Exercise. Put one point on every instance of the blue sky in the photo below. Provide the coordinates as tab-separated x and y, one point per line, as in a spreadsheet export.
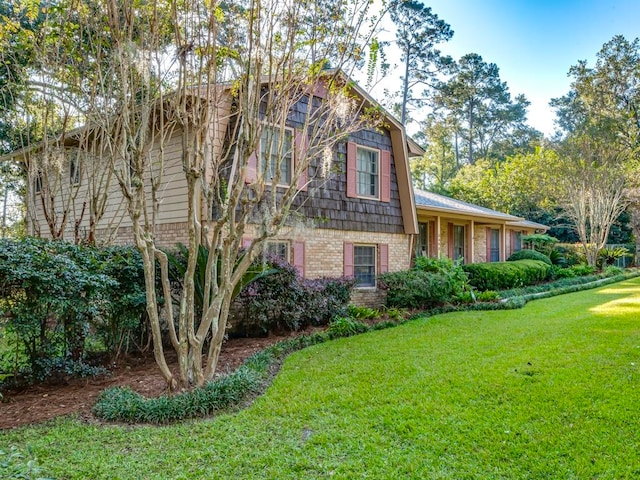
535	42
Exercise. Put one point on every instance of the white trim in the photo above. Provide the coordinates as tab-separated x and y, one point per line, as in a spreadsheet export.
379	188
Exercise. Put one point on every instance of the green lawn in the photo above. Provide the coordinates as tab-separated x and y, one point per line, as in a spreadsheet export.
548	391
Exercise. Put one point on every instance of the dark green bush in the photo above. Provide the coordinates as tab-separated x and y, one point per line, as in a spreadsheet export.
566	256
529	255
285	301
503	275
430	282
55	295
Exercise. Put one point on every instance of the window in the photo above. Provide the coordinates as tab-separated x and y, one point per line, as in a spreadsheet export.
277	249
422	249
459	242
277	153
364	265
74	168
493	247
517	241
368	170
37	183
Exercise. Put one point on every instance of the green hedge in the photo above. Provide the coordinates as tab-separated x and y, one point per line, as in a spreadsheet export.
504	275
529	255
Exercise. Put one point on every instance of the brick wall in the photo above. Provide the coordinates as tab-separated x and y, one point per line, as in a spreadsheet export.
324	255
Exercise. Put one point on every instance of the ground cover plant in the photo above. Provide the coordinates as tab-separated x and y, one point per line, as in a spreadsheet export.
547	391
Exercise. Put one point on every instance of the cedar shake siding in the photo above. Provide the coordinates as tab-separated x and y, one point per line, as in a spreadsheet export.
328	204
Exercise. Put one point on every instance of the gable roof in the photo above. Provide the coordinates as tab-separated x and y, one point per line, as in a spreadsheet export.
433	201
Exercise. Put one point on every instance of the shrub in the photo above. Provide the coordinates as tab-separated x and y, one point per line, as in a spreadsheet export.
488	296
346	327
609	256
55	294
566	256
529	255
419	289
612	271
503	275
582	270
283	300
540	242
362	313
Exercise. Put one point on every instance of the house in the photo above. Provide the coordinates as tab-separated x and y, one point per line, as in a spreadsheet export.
361	220
467	232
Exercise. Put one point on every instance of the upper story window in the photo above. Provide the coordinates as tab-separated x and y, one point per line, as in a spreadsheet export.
368	173
276	152
368	168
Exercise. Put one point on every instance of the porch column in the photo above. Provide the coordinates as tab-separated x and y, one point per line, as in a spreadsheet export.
472	242
438	233
503	243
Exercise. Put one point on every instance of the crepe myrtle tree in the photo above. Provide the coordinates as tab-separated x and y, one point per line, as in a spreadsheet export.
221	79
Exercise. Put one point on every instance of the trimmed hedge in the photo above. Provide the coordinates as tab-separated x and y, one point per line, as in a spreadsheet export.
504	275
529	255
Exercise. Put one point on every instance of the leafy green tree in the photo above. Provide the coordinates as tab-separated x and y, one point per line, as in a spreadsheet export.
480	103
599	125
137	74
418	31
438	166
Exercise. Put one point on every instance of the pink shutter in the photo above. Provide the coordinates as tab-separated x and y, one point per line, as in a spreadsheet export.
298	257
301	147
488	245
352	170
512	247
385	187
348	260
450	241
246	242
252	168
383	250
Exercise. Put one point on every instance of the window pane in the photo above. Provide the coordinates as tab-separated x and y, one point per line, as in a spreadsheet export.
277	249
458	241
422	240
495	245
517	241
364	265
276	148
367	168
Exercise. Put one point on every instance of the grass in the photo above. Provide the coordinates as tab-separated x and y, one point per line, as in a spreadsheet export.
548	391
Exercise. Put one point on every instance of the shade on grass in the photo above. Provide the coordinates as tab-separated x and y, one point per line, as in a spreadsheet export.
548	391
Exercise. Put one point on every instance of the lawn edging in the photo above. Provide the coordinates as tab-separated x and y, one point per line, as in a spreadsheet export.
121	404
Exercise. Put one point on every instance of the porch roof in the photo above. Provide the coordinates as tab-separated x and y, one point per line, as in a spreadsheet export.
429	201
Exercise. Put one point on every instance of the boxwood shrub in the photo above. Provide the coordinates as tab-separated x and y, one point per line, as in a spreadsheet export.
422	288
529	255
504	275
